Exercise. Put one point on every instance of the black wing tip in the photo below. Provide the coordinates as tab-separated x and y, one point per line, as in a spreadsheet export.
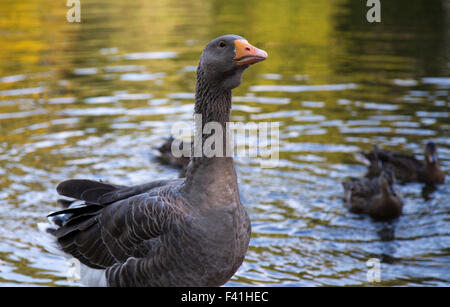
55	213
63	186
51	231
74	188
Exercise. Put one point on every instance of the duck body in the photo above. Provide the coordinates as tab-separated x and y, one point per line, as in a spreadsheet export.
407	168
166	156
183	232
376	197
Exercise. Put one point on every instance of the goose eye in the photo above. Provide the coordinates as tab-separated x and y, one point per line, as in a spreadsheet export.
222	44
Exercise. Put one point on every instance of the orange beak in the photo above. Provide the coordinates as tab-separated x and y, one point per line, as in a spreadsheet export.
247	54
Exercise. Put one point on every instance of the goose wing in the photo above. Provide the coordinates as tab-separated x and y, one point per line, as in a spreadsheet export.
115	222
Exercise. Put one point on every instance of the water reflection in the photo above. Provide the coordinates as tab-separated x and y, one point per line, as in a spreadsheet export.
93	99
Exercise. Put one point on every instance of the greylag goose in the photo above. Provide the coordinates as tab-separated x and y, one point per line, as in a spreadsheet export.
182	232
376	197
406	167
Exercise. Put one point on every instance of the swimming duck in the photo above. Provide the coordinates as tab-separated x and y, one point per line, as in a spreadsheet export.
182	232
166	157
376	197
406	167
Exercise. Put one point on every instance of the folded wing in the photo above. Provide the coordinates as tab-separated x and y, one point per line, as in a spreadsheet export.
115	222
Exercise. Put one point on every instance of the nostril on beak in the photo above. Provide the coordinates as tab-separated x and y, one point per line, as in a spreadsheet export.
247	54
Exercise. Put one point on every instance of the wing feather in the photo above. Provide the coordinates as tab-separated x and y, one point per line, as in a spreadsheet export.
114	224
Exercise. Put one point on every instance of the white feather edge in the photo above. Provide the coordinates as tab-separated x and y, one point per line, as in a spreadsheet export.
92	277
360	157
48	241
88	276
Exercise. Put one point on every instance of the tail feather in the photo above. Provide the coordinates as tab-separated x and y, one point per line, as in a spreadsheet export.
48	240
77	210
72	214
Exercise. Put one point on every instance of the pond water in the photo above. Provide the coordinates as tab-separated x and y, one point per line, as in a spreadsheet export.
92	100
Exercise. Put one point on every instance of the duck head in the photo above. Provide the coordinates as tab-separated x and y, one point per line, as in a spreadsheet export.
387	181
431	156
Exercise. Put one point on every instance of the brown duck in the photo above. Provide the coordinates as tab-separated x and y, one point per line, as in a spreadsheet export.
407	168
376	197
183	232
166	157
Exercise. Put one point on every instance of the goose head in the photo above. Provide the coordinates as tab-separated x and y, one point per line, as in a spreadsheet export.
225	58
